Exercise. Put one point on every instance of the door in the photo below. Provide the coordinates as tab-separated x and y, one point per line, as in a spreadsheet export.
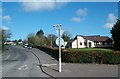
89	44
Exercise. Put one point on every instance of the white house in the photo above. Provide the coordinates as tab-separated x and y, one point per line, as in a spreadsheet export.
91	41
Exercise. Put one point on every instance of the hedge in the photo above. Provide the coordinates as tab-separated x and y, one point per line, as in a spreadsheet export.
95	56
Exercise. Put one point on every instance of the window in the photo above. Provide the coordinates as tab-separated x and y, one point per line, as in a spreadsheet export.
106	43
95	43
80	43
103	43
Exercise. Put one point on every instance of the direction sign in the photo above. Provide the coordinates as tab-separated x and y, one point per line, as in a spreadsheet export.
61	32
61	42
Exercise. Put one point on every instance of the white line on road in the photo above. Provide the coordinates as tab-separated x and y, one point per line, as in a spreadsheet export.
23	67
49	64
7	57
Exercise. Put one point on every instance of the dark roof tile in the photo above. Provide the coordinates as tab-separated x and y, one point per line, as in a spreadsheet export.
97	38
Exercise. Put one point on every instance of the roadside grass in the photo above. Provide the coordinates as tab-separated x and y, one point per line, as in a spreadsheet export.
89	49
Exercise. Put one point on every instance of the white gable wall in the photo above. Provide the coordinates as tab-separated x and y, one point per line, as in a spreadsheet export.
88	43
81	40
74	44
77	43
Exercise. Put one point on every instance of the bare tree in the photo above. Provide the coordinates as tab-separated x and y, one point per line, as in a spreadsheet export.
51	40
4	36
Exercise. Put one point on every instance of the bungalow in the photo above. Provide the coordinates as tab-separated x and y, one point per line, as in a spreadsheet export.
91	41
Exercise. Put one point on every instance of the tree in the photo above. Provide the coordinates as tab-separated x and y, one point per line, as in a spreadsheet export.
20	40
40	33
0	39
32	40
4	36
51	40
67	36
116	35
35	40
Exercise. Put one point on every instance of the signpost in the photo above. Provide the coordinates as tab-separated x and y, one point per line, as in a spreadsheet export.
61	42
58	41
61	32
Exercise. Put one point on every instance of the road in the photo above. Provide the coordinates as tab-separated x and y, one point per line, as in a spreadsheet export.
20	62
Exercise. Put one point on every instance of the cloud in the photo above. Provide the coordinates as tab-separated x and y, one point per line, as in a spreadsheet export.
7	18
111	20
109	25
76	19
37	0
81	12
39	5
34	6
5	28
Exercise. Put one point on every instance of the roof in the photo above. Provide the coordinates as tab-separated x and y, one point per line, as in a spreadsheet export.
97	38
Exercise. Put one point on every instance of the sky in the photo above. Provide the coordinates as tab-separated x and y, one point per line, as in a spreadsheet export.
77	18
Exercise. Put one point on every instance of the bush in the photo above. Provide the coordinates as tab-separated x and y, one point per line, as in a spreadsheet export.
93	56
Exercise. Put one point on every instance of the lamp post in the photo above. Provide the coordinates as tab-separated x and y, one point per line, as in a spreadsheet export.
58	27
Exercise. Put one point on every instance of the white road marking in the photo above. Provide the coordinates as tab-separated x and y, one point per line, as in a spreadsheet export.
24	67
49	64
7	57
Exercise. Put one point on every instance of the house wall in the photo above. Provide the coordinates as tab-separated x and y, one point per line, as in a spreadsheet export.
101	45
92	44
80	43
74	44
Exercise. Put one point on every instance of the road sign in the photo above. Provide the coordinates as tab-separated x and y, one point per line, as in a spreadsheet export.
61	42
61	32
65	43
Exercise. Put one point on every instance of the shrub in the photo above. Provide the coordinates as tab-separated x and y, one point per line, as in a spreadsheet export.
93	56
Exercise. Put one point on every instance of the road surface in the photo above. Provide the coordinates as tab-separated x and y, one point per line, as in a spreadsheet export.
20	62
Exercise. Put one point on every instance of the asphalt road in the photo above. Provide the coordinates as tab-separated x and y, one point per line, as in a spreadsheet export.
20	62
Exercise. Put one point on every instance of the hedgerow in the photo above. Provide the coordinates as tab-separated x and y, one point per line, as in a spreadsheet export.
93	56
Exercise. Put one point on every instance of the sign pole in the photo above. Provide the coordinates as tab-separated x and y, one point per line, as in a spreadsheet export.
59	42
59	52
